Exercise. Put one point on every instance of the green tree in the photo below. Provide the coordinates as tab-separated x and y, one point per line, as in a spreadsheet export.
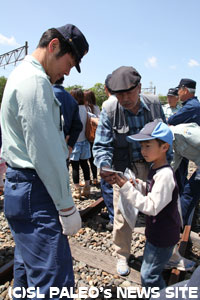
71	87
3	81
100	94
98	90
163	99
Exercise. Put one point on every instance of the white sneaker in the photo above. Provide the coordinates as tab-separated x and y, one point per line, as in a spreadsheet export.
182	264
122	267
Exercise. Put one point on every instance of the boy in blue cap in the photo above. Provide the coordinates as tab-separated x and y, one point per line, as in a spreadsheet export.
157	198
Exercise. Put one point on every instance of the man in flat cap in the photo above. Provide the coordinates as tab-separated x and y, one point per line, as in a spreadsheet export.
189	113
38	201
172	106
123	115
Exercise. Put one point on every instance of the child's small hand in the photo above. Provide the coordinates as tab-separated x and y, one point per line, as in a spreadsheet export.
120	180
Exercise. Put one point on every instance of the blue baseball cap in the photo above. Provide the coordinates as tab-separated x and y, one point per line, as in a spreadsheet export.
153	130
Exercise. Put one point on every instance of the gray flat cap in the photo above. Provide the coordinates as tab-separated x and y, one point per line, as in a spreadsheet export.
124	79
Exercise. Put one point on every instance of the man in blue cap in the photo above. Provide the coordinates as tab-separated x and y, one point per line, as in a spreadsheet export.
38	201
189	113
188	189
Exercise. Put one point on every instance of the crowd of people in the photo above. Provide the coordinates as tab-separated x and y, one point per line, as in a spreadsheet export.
43	131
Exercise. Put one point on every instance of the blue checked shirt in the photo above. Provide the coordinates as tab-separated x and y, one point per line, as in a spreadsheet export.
103	149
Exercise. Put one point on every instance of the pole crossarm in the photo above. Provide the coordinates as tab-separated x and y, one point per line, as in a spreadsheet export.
151	90
13	56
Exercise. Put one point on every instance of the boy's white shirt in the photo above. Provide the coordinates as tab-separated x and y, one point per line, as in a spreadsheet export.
159	197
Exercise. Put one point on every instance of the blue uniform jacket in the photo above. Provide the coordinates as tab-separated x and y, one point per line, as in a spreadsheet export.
189	113
70	111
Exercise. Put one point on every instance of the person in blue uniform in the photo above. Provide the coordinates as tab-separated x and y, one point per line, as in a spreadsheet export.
70	112
189	113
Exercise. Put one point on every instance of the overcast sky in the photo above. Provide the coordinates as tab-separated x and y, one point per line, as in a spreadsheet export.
160	38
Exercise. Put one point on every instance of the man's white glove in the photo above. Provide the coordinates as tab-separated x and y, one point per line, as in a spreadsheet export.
70	221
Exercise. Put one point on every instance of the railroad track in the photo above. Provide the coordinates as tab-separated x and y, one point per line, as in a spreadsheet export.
95	259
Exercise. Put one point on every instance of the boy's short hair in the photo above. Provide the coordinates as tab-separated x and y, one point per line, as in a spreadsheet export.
153	130
160	142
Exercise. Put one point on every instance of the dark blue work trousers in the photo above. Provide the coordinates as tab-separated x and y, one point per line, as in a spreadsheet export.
189	191
42	254
190	198
181	174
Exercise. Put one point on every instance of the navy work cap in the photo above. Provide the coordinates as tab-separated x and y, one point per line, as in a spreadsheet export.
76	40
172	92
188	83
124	79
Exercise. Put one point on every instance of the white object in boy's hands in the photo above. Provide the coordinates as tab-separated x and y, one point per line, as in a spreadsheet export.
106	169
130	175
70	221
